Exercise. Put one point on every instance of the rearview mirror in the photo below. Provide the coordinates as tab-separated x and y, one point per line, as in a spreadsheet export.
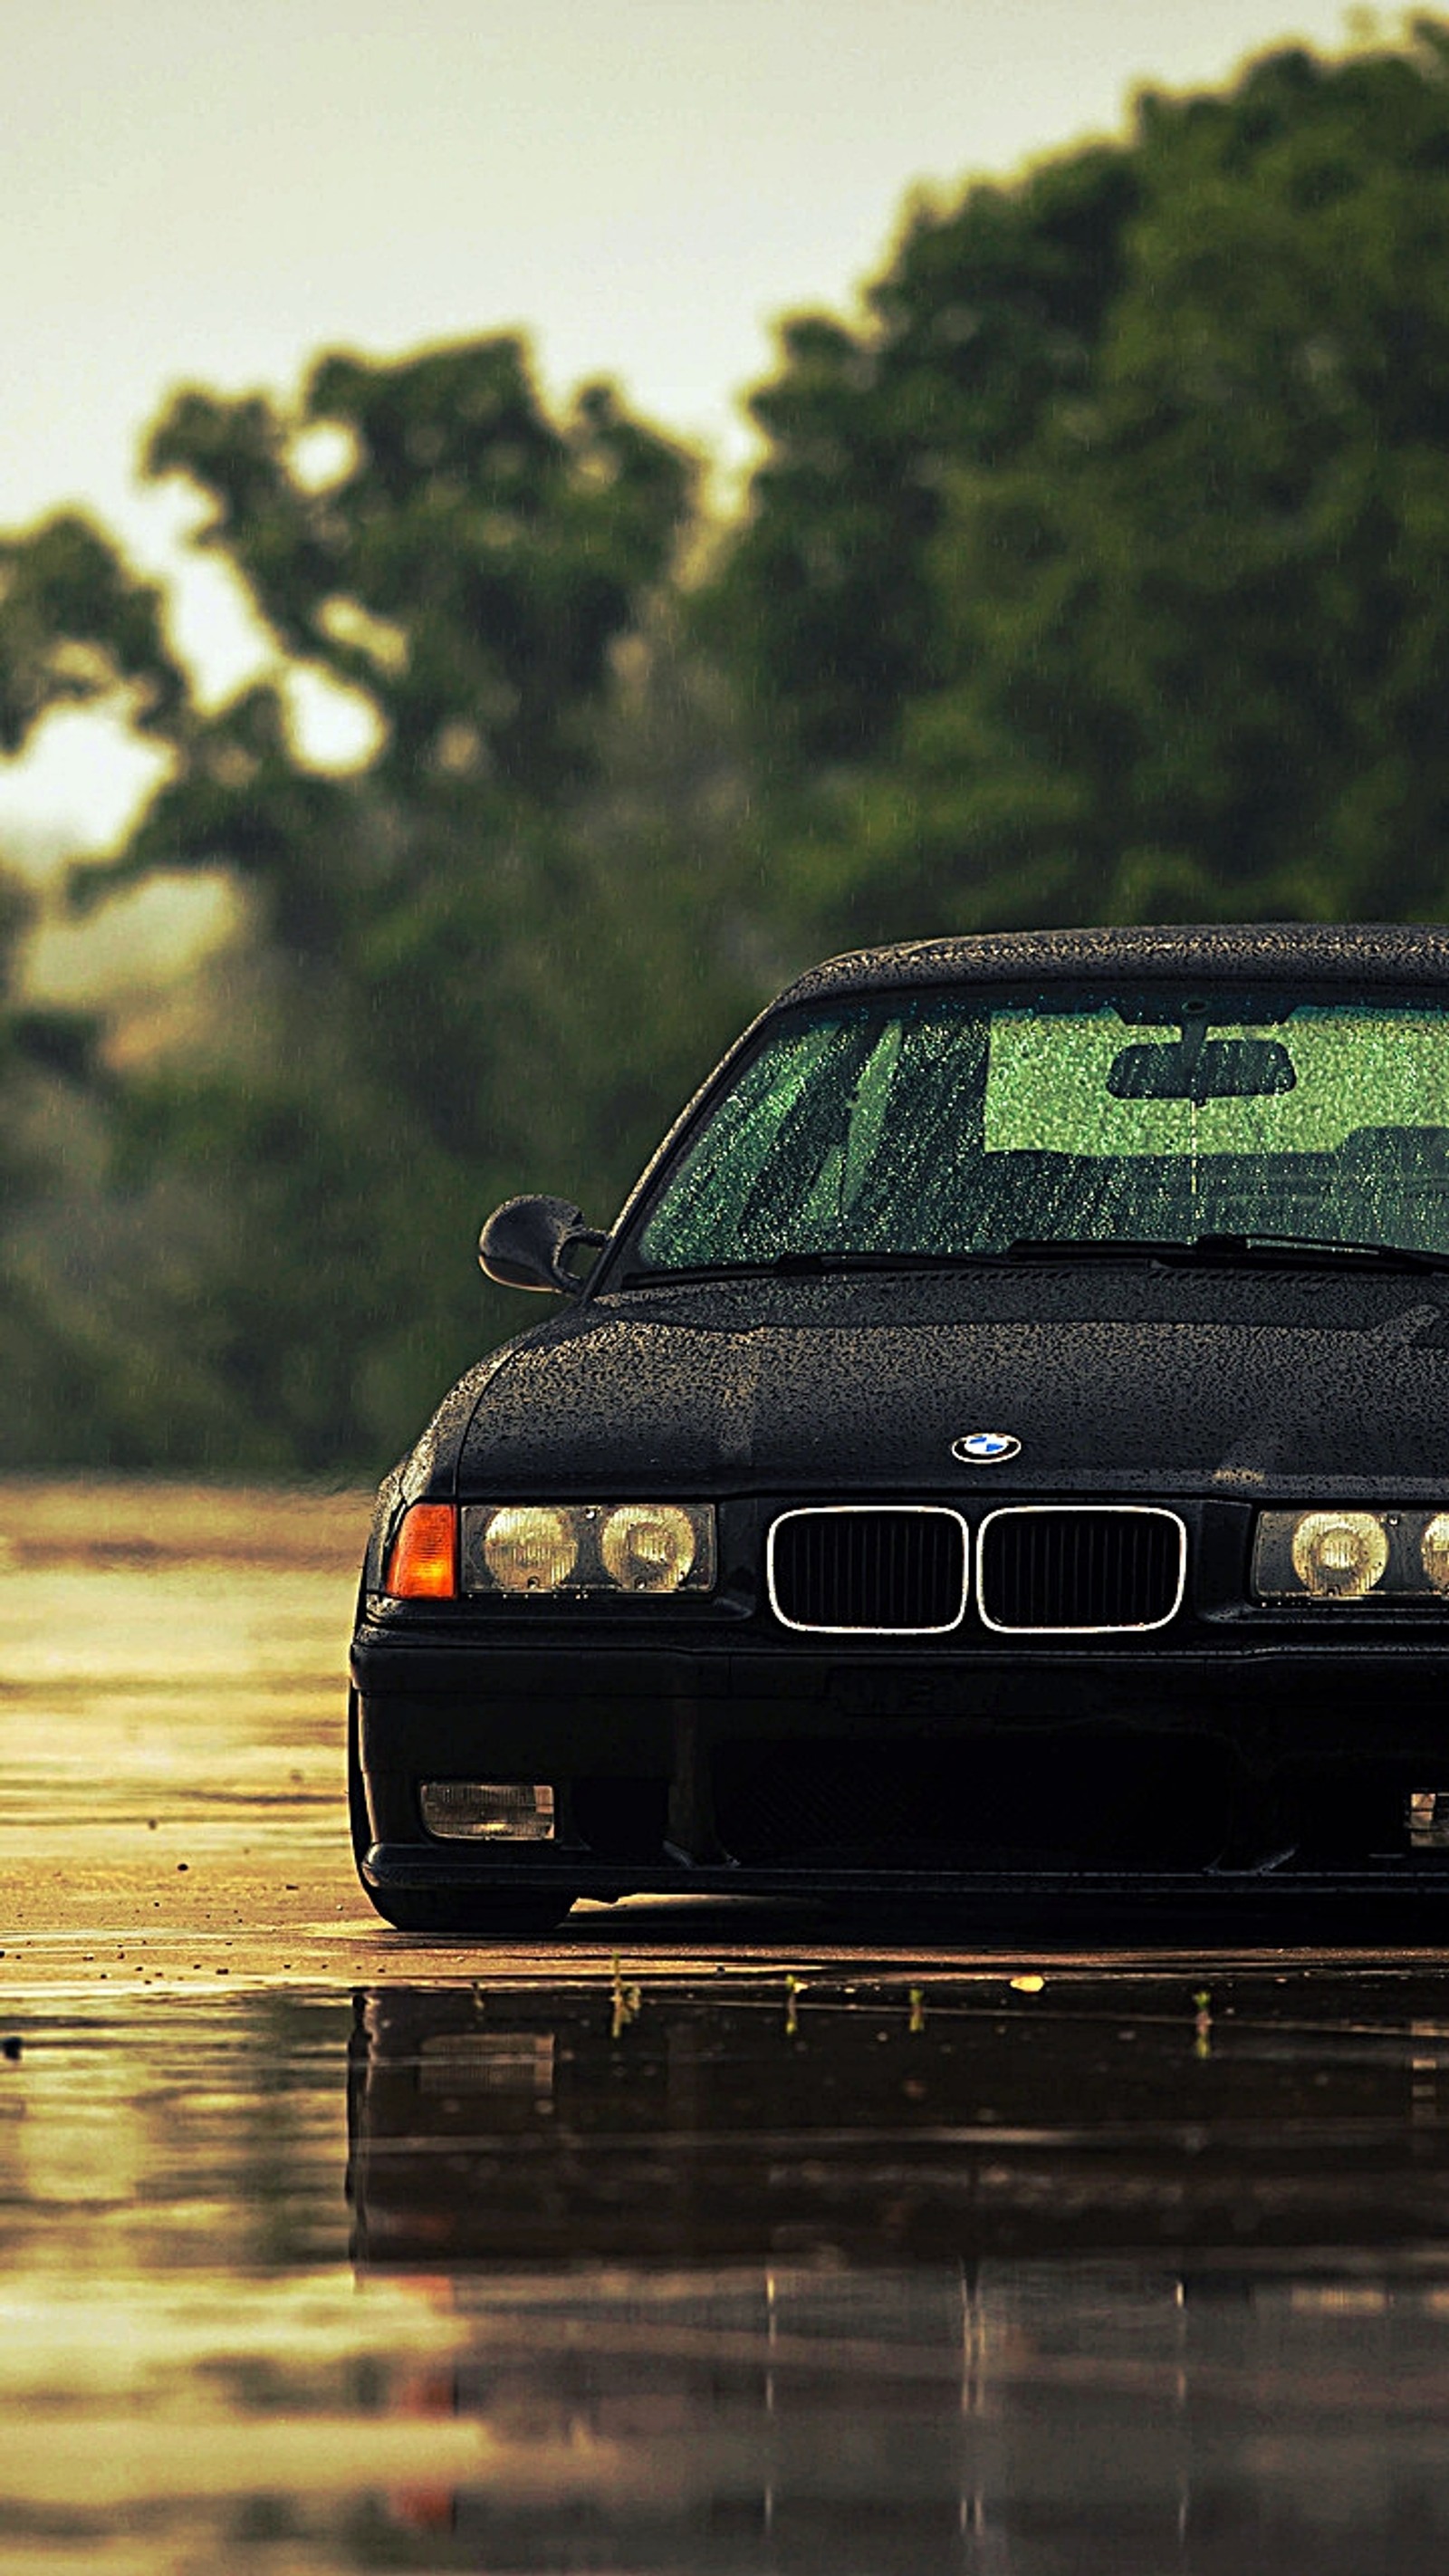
524	1243
1211	1069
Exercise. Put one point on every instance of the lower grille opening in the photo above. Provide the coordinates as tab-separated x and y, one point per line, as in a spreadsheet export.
1096	1799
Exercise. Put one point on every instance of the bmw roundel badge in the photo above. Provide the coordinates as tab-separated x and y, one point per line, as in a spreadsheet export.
985	1448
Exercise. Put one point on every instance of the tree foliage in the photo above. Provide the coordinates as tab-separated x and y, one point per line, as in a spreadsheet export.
1169	632
459	979
827	604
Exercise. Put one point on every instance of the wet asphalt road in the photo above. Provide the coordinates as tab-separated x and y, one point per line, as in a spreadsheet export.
687	2241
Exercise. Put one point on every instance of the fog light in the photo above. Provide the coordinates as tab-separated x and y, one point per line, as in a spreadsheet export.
1339	1556
529	1548
1428	1819
488	1811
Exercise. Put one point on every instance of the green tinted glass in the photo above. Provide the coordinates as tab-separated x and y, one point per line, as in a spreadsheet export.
933	1124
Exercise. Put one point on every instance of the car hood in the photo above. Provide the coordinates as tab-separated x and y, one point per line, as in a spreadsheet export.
1185	1381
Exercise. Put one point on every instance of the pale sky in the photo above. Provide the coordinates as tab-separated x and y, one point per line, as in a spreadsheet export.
214	190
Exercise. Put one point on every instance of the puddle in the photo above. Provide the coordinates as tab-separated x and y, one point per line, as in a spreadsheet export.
845	2271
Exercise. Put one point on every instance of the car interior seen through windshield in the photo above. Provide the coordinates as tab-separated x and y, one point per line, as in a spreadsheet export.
938	1124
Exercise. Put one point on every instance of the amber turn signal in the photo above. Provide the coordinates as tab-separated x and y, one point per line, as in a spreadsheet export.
423	1562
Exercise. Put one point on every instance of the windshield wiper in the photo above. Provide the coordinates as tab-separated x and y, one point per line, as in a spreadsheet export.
1265	1247
1295	1249
1394	1256
1101	1247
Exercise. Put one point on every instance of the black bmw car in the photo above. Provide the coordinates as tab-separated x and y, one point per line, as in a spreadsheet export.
1002	1445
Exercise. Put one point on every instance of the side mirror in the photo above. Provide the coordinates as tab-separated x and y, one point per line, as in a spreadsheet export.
524	1242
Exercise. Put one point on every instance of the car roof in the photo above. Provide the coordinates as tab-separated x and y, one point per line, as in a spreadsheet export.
1356	953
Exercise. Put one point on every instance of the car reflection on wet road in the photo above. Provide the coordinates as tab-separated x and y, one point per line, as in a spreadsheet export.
853	2273
645	2251
1023	2281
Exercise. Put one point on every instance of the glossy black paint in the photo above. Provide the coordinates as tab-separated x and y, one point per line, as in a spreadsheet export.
1239	1732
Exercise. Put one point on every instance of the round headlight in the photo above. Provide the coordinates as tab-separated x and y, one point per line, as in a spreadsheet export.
528	1548
1434	1551
1339	1556
648	1547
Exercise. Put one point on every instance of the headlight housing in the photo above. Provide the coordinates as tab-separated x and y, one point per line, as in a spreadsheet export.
1345	1552
527	1547
561	1549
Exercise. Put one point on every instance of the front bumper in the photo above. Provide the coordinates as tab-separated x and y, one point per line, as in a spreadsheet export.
724	1766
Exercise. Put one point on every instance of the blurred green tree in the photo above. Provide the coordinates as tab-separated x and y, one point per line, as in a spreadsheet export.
51	1125
1101	572
462	976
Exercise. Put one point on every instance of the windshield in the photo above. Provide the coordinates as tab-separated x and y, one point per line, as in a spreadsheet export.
940	1124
